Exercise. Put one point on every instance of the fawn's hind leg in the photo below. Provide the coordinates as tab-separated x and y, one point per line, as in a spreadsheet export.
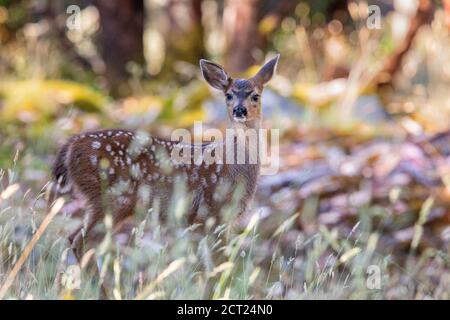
94	212
124	208
78	237
93	215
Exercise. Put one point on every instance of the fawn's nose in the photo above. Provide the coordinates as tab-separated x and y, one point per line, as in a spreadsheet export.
239	111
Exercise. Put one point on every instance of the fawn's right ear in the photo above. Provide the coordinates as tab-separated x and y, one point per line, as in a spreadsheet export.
214	74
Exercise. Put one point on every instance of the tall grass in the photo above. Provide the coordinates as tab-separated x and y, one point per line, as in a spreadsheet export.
176	261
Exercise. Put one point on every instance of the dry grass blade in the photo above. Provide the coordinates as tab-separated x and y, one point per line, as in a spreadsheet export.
173	266
9	191
26	252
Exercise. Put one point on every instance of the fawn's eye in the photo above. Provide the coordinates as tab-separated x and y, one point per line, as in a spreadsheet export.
228	96
255	98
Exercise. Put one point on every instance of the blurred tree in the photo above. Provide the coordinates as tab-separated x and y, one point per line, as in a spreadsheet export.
249	24
337	9
184	33
240	19
384	79
121	39
13	17
447	11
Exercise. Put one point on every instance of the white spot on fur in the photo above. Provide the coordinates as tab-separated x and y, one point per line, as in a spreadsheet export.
194	176
123	200
108	147
93	160
96	144
135	171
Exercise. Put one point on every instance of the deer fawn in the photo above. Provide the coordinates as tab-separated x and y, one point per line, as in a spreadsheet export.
115	164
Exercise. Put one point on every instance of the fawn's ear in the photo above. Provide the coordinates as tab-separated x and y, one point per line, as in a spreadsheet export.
214	74
266	72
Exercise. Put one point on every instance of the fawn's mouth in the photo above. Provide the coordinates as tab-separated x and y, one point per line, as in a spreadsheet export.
240	119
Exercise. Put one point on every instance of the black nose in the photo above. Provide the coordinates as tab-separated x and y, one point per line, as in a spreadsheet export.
239	111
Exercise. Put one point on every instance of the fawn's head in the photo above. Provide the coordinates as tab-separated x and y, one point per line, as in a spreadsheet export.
242	96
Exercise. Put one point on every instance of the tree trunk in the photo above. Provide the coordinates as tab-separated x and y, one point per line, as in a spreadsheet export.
184	33
121	39
447	13
240	19
394	62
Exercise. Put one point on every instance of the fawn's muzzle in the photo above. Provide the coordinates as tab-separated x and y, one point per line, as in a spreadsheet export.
239	112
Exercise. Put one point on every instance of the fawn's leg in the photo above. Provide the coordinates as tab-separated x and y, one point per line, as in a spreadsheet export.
77	240
219	208
91	192
214	209
124	208
93	214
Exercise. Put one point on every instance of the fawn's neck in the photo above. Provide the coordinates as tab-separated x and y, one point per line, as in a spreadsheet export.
252	124
248	172
245	130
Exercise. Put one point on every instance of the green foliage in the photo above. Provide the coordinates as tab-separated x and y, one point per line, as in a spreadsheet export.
40	100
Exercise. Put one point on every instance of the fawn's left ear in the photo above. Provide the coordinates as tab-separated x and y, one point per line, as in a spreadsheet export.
266	72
